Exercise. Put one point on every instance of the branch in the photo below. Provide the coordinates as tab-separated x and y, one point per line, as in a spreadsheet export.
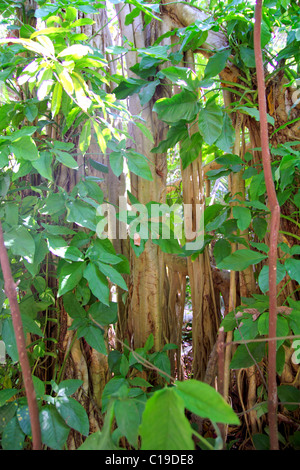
10	290
274	228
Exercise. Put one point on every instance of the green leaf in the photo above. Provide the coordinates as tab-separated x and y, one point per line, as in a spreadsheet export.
221	250
243	216
282	326
148	91
129	87
245	356
247	56
114	276
182	106
116	162
216	64
240	260
103	314
94	337
263	278
164	424
149	343
211	122
21	243
82	214
260	227
182	76
69	277
138	164
56	99
25	148
254	112
293	268
12	437
261	441
53	428
68	387
226	139
85	137
98	166
190	149
59	247
97	283
289	393
128	420
6	395
44	165
73	414
31	111
203	400
66	159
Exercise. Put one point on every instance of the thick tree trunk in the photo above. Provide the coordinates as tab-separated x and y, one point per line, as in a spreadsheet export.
146	300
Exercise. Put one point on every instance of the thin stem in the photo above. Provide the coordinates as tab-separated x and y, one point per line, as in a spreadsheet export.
274	228
10	290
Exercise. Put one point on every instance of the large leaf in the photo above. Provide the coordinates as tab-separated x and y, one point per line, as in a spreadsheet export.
190	149
103	314
69	277
97	283
240	260
216	64
82	214
164	424
113	275
243	216
12	437
94	337
203	400
263	278
138	164
21	243
182	76
293	268
25	148
73	414
247	356
282	326
183	105
128	419
53	428
211	122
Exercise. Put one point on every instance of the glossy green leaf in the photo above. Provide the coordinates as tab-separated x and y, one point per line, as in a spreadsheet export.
243	216
73	414
53	428
216	64
69	277
97	283
247	355
138	164
182	106
263	278
12	437
211	122
240	260
203	400
293	268
25	148
128	419
164	424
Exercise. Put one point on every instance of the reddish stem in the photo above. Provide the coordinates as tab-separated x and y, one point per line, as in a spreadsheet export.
10	290
274	228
